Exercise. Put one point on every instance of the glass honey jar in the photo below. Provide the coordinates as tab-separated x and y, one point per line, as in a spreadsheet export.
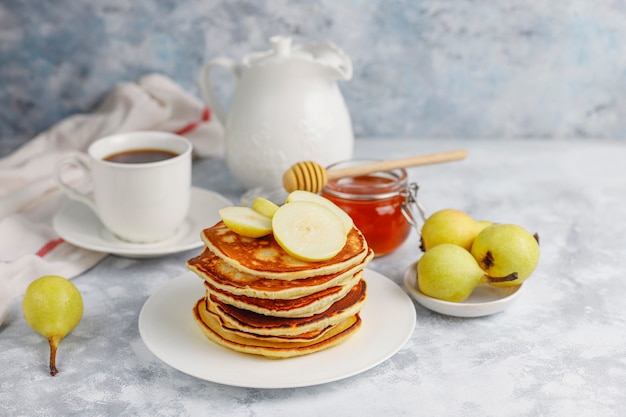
381	204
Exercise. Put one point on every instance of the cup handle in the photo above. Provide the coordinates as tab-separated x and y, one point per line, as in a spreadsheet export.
206	86
72	192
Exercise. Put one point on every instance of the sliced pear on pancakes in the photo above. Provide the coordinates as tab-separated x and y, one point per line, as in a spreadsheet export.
264	206
308	231
246	221
300	195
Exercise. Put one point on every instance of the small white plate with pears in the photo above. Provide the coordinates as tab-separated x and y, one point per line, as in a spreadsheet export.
483	301
470	269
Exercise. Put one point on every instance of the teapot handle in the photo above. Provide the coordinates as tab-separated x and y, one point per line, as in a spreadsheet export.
206	86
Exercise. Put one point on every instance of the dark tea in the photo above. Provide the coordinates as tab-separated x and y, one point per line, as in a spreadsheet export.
140	156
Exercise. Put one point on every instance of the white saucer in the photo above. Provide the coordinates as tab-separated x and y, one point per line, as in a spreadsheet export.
78	225
170	332
484	300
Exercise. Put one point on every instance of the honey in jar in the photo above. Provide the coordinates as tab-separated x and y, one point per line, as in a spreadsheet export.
377	204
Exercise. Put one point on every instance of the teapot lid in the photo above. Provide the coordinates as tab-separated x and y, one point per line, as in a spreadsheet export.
326	54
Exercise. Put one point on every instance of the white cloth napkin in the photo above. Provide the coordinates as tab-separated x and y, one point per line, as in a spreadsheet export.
30	197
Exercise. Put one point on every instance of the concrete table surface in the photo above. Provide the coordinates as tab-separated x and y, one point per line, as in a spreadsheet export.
560	349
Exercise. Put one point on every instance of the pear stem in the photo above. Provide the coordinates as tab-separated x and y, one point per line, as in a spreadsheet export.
507	278
54	343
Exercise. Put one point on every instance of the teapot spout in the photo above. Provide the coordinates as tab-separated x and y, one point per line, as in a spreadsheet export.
333	58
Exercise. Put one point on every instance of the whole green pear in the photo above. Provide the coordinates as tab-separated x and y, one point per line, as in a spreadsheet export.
449	272
53	307
483	224
502	249
449	226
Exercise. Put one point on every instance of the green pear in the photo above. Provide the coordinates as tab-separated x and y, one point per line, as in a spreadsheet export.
53	307
449	226
449	272
502	249
483	224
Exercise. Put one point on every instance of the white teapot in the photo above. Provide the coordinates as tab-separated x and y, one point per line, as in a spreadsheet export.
286	108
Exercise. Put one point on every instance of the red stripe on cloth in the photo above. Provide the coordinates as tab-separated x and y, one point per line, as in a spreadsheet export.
206	116
48	247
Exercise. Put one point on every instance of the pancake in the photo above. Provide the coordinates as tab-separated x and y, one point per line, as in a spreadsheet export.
260	300
259	324
210	324
223	276
305	336
263	257
305	306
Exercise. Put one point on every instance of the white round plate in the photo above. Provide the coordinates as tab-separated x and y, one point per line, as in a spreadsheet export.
77	224
168	329
484	300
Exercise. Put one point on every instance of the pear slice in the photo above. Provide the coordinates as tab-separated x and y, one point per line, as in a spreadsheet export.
300	195
308	231
246	221
264	206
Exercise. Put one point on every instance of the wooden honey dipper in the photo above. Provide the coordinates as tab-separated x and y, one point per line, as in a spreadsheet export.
311	176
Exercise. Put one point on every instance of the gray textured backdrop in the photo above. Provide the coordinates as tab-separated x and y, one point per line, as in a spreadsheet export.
423	68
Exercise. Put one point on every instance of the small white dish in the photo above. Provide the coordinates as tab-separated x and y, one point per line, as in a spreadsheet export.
484	300
167	327
77	224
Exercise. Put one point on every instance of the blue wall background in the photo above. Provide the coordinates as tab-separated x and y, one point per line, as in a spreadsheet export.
423	68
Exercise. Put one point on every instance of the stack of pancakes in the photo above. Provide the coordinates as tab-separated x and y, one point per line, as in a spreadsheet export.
262	301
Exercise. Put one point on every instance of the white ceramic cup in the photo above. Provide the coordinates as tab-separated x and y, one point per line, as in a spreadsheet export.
138	202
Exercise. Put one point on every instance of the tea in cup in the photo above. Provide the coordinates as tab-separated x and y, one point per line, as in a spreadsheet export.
141	183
